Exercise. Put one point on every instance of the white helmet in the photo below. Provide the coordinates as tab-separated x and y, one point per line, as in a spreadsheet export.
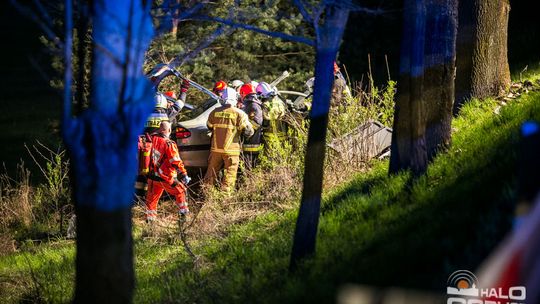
161	101
310	84
265	90
236	84
229	96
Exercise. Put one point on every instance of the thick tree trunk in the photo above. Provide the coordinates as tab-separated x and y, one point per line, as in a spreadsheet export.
482	50
329	39
104	256
440	58
102	143
408	136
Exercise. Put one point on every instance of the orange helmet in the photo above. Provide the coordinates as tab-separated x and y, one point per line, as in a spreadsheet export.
219	86
246	89
171	94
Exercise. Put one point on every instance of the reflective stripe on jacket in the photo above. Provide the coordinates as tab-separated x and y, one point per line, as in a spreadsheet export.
165	160
226	123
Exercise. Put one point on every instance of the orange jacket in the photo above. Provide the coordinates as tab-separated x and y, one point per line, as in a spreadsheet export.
165	160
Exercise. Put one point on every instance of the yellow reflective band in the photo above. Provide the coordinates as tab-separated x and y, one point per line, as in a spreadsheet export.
226	115
146	153
225	126
253	149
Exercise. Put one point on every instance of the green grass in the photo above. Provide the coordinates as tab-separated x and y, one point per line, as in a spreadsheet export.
375	229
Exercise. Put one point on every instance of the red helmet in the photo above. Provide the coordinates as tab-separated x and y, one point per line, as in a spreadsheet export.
220	86
171	94
246	89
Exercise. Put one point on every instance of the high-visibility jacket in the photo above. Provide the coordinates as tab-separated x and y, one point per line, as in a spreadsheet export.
253	108
165	163
273	112
227	123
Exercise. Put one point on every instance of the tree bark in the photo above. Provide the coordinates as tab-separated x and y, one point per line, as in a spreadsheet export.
329	38
408	136
102	144
439	74
482	56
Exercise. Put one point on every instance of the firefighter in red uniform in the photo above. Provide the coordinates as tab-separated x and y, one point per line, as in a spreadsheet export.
167	173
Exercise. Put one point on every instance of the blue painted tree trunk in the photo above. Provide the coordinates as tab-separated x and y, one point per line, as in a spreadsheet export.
439	75
408	136
329	37
102	144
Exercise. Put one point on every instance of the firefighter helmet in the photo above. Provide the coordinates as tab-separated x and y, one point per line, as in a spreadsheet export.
229	96
265	90
219	86
246	89
161	101
236	84
171	94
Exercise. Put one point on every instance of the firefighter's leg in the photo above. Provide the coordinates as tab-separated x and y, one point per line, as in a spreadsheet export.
215	162
179	193
153	194
231	168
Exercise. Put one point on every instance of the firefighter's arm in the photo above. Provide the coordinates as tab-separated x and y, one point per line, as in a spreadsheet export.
174	158
245	125
255	117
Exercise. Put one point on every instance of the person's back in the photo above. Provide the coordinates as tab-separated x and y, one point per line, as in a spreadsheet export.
227	122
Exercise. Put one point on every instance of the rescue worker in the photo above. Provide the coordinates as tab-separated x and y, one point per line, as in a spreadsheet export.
339	89
227	123
167	173
237	84
252	146
274	111
166	108
219	87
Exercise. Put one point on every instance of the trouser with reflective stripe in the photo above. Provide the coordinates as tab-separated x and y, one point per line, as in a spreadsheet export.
229	163
250	155
155	190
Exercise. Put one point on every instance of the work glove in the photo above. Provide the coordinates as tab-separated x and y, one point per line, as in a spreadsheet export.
184	86
186	179
175	182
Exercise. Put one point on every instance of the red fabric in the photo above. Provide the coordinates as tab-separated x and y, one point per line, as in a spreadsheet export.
166	159
511	273
155	190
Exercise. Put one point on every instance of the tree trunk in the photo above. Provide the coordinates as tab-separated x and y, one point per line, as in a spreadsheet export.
440	58
102	143
327	46
408	136
175	14
482	57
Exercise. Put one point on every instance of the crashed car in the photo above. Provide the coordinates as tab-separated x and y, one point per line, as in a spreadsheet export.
190	131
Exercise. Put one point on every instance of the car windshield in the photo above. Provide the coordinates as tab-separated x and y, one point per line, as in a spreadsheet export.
187	114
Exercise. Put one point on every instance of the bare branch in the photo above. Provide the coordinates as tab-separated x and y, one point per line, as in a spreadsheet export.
43	25
302	8
280	35
180	60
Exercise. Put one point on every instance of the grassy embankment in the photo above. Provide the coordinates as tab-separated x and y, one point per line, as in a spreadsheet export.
374	229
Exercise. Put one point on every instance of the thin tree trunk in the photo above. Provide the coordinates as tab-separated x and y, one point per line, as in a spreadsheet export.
408	136
440	58
329	34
